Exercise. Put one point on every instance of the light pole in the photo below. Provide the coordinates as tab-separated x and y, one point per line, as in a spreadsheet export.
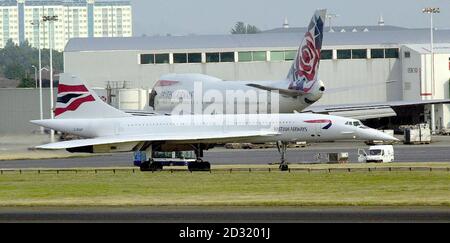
330	17
431	12
41	109
35	75
51	20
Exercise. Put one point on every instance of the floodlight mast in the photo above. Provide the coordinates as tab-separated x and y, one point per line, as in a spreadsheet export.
431	11
41	110
329	17
51	20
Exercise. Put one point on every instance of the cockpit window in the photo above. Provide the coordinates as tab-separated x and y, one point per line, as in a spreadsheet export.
355	123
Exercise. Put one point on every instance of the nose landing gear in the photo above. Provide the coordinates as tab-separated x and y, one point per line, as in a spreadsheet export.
282	148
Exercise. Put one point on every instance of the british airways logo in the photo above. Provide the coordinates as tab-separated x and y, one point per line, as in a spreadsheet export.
328	123
71	97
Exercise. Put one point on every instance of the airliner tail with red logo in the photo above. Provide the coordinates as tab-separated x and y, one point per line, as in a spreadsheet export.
76	100
303	73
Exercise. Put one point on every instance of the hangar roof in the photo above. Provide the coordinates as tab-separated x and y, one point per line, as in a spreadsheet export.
339	28
442	48
263	40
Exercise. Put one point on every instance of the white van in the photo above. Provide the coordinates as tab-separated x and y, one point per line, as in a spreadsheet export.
377	154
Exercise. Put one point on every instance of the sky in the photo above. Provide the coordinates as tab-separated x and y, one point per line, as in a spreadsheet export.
184	17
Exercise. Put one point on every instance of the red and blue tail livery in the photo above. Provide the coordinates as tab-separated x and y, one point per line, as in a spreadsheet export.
70	97
76	100
303	73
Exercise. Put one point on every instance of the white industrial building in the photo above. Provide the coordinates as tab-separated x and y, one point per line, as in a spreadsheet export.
21	20
380	63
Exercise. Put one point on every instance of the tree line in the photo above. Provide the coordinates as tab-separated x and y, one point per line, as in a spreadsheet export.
17	61
242	28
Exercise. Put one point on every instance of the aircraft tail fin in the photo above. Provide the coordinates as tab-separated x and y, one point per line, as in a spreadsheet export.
76	100
303	73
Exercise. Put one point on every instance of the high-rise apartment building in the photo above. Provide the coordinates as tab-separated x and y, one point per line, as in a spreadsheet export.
21	20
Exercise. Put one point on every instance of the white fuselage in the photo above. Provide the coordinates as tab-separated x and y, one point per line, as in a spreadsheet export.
223	95
289	127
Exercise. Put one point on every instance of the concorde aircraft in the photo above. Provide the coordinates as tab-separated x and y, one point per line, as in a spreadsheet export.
296	93
81	112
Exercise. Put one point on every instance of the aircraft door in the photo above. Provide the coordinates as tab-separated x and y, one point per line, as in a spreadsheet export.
318	128
117	128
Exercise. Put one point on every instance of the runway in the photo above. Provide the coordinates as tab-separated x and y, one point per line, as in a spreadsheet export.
403	153
225	215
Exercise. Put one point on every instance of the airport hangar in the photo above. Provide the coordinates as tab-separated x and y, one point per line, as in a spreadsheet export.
380	63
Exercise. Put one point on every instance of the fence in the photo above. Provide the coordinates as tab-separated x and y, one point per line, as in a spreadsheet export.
230	170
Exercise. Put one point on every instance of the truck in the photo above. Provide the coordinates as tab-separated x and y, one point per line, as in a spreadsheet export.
377	154
178	158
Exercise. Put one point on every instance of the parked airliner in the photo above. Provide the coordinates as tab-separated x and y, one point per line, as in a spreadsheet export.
81	112
298	90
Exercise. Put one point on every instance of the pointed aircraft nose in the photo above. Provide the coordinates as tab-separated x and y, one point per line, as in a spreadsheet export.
373	134
42	123
37	122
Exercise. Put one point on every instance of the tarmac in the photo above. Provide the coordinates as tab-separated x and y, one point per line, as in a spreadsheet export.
438	151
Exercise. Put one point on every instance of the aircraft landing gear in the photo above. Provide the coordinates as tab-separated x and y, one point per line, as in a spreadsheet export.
145	152
199	164
282	147
151	166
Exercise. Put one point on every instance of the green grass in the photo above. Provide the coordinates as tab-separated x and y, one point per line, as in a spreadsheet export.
419	188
